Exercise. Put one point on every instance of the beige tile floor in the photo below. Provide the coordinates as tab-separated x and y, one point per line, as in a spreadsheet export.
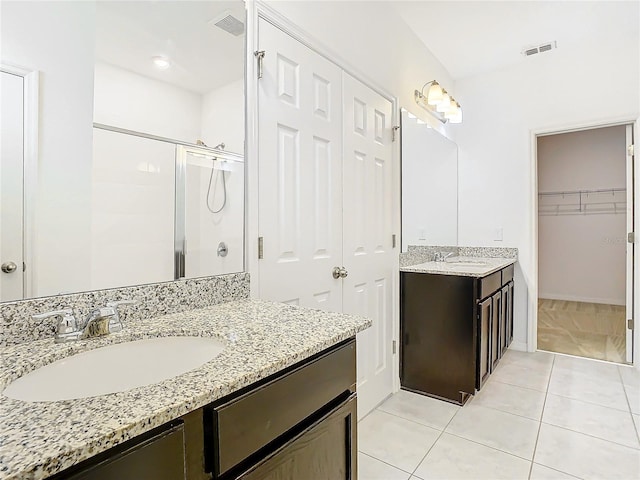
589	330
540	416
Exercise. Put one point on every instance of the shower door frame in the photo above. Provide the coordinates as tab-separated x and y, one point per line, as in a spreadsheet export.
180	224
182	149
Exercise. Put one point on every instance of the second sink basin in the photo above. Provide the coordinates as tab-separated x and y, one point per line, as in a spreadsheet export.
465	262
114	368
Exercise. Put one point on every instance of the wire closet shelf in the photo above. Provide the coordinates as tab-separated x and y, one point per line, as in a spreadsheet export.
583	202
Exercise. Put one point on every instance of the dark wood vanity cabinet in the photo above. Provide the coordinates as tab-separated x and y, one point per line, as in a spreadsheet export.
454	331
298	423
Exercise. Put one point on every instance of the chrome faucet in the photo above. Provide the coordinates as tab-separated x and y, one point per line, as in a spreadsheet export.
101	321
442	256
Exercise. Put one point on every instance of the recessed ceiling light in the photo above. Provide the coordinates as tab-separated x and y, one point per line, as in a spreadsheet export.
161	62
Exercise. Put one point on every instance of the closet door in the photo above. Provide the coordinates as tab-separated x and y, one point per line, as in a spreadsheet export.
300	173
367	248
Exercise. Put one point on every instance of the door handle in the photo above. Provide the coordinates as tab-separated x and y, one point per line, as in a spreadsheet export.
339	272
9	267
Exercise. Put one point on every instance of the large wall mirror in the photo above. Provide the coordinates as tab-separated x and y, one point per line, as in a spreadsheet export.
122	148
429	185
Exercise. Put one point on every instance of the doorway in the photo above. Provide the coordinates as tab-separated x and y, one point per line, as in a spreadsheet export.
585	263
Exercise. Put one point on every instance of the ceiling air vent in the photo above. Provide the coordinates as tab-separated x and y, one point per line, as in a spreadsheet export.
545	47
228	23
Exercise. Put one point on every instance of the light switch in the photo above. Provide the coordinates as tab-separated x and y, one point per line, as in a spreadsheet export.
498	236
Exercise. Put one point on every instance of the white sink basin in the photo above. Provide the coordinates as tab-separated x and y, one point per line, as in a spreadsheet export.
467	264
114	368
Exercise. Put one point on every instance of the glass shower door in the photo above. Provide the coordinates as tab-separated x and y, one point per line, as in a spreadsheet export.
209	212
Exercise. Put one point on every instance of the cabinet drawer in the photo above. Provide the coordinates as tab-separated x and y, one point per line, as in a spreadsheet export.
489	284
507	274
244	425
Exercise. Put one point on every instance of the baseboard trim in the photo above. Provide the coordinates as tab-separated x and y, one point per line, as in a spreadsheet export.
519	346
571	298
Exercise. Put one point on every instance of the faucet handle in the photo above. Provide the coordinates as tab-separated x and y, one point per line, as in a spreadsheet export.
66	321
115	325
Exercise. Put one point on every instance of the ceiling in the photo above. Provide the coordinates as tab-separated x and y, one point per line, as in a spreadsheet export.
474	37
203	57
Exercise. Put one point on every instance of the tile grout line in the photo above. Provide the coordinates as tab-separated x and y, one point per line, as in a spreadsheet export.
544	404
555	470
434	443
592	436
489	446
386	463
437	429
626	396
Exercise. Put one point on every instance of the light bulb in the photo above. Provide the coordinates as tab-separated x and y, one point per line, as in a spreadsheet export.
434	96
445	104
161	62
457	117
453	109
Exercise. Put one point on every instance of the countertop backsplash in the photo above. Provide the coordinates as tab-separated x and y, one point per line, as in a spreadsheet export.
417	254
17	326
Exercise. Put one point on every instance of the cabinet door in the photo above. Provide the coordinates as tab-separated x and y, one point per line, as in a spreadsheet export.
327	450
485	312
496	318
509	321
504	319
160	457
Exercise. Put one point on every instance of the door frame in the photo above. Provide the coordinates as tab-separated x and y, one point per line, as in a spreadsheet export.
532	302
257	9
31	79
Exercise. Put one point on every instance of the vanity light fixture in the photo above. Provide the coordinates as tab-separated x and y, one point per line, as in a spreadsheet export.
439	103
162	63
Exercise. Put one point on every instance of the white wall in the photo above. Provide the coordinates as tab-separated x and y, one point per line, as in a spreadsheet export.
127	100
583	257
223	117
132	214
429	186
34	35
552	91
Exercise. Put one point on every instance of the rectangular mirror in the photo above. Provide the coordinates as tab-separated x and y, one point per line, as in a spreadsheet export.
429	185
123	130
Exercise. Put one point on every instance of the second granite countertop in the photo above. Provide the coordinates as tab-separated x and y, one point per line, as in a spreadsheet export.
38	439
463	266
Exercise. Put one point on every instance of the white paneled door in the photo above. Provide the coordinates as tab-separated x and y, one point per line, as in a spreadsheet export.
630	245
11	186
325	197
367	232
300	173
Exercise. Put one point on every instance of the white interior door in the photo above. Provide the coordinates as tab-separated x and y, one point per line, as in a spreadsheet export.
11	186
630	246
367	229
300	173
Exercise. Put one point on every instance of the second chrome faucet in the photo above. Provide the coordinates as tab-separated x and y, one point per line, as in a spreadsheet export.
101	321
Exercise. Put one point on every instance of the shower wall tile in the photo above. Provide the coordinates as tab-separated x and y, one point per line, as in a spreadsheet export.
17	325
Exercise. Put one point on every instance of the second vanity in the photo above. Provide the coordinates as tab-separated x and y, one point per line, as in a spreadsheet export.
278	399
456	322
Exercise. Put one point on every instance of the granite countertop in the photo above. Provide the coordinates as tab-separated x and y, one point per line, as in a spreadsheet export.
38	439
462	266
